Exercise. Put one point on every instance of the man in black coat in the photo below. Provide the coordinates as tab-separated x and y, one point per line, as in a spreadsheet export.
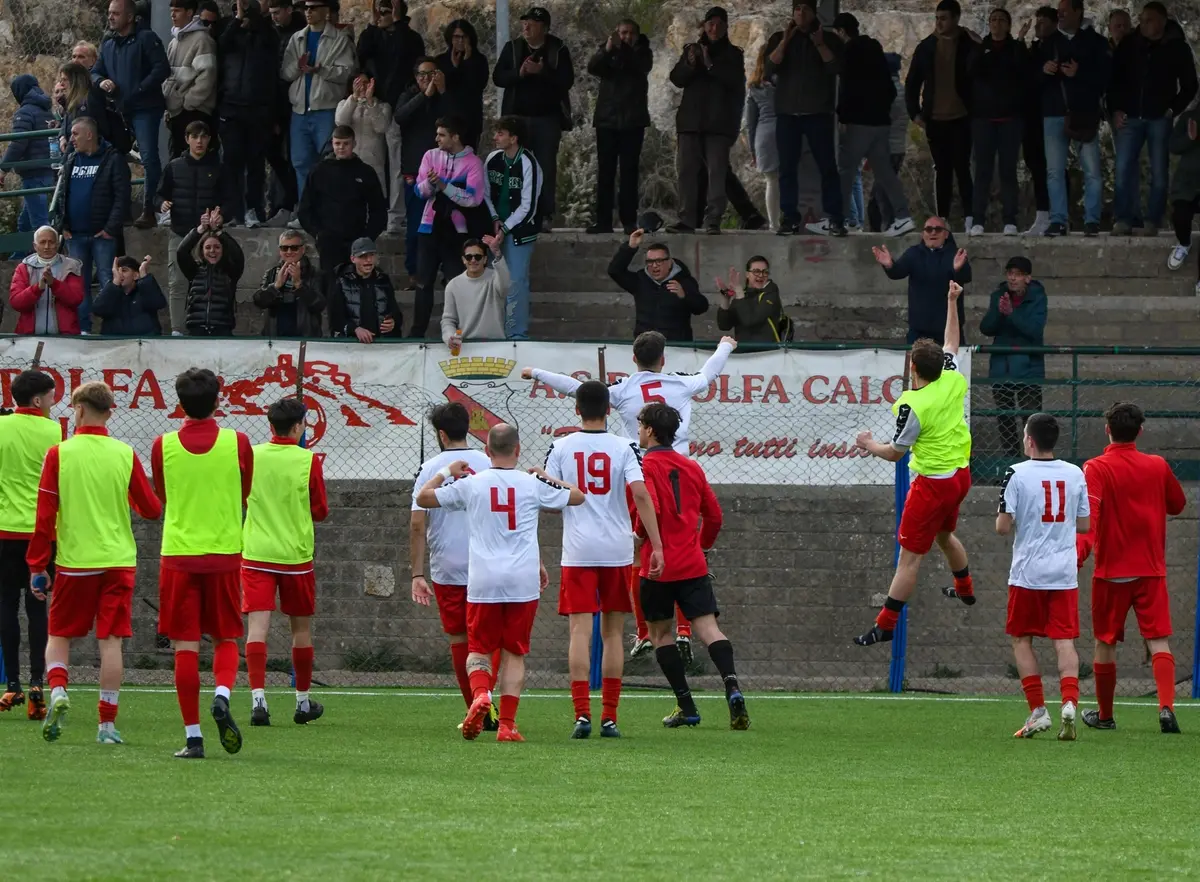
622	115
129	305
665	295
930	268
417	113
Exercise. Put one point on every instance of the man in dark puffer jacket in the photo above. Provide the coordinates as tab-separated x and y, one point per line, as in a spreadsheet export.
362	302
32	115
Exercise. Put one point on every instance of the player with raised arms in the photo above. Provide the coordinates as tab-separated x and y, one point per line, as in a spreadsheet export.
931	422
1045	500
505	575
597	552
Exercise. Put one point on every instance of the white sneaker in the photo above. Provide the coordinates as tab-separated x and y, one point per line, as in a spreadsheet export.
164	219
1067	732
1178	256
899	227
1041	223
1010	230
853	227
1198	289
970	224
1039	721
252	221
177	333
821	228
976	230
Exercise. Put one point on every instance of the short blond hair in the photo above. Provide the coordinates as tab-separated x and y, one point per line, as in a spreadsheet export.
89	48
95	396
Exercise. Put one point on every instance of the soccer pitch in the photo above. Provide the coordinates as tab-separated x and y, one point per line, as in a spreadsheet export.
384	787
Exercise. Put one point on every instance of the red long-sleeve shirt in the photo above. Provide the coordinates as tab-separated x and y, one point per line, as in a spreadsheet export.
683	499
318	505
1131	494
141	497
198	437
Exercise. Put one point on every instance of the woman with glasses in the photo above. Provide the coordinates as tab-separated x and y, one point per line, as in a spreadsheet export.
291	295
467	76
930	267
752	313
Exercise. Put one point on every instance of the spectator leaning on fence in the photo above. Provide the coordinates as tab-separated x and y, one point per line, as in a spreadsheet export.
213	280
33	114
420	107
132	68
476	299
129	305
47	288
362	302
930	267
1016	317
514	182
1185	185
370	119
752	313
292	295
191	89
665	294
466	76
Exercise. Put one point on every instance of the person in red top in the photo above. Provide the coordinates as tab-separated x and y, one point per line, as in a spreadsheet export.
1131	495
86	512
203	475
683	500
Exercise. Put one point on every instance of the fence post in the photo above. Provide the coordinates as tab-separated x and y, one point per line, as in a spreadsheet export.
900	635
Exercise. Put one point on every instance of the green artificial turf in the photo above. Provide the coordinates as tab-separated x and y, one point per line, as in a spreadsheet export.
384	787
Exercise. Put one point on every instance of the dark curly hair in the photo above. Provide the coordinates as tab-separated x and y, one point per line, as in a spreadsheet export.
467	28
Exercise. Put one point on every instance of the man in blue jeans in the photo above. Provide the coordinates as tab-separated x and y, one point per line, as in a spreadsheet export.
1153	81
514	182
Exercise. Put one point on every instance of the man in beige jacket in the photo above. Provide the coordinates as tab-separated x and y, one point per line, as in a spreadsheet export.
191	89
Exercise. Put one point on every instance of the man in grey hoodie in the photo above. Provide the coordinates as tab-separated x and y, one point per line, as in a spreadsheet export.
191	89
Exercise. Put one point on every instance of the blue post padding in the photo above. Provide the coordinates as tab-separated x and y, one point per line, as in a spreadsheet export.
900	635
1195	643
3	673
596	672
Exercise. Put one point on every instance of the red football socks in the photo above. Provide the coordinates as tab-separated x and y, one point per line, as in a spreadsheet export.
610	697
187	685
108	712
1106	687
508	710
481	683
582	698
887	619
1163	664
458	656
964	585
495	670
1070	689
302	665
1033	691
683	627
56	676
225	663
256	664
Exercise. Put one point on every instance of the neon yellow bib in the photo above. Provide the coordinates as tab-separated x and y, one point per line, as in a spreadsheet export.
24	440
204	498
944	444
279	527
94	528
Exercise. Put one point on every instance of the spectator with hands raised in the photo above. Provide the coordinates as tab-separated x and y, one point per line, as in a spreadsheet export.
752	313
665	293
929	267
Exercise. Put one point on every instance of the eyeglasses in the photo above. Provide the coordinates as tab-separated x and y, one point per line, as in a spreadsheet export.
655	261
760	272
291	247
933	231
473	257
425	74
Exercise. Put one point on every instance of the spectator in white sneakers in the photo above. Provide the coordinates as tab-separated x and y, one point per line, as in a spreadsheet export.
1185	185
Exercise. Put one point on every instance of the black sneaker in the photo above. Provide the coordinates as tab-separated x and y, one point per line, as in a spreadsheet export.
875	635
788	228
1091	230
739	720
260	716
1091	719
598	229
968	599
608	729
712	230
194	749
230	734
679	228
1055	230
583	728
1167	722
754	222
837	230
314	712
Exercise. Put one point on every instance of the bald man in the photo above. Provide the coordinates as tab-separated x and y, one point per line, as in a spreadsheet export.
930	267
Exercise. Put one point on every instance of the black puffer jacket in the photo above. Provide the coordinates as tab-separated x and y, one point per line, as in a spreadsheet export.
212	288
192	186
248	62
1151	78
624	74
655	307
713	100
417	116
357	302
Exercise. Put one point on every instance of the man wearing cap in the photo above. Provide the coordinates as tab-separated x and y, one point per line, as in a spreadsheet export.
362	301
1016	316
804	59
536	74
191	89
712	74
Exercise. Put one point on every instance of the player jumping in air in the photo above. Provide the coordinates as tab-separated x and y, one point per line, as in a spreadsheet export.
203	475
25	436
286	497
88	484
684	500
597	556
1046	501
1131	495
931	422
505	575
449	542
629	395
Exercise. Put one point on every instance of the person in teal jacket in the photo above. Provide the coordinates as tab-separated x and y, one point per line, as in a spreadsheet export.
1016	316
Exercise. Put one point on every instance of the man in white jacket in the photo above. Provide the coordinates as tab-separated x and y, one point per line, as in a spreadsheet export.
474	307
191	88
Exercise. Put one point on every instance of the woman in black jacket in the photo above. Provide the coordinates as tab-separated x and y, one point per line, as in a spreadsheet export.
85	98
467	73
754	313
129	304
212	283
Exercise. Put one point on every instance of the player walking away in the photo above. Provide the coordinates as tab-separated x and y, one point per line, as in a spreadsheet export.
287	496
203	474
1046	501
931	422
684	499
1131	495
629	395
87	485
25	437
449	540
597	555
505	575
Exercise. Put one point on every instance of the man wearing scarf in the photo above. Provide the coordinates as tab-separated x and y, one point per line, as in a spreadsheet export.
47	288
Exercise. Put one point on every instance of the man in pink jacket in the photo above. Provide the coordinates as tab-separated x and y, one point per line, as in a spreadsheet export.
452	182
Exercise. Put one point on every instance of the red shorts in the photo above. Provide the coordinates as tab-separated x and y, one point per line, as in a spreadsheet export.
192	604
1111	602
297	592
931	507
507	626
595	590
104	600
1050	614
452	607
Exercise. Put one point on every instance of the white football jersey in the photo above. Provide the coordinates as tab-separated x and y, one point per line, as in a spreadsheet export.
599	532
502	507
446	531
630	394
1044	498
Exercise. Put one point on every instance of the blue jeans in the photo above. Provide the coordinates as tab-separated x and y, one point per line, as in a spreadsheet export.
100	253
790	133
414	206
310	133
35	212
1057	147
1130	138
516	305
146	125
857	212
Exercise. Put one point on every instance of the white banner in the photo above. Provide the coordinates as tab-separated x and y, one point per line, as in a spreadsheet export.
781	417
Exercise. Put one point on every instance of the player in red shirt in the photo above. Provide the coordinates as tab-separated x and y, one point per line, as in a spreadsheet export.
1131	494
684	499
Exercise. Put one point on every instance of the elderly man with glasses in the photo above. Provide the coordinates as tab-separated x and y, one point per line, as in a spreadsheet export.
930	268
291	295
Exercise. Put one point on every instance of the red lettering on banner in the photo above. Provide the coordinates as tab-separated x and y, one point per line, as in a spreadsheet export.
723	395
59	387
704	448
807	391
771	448
888	395
147	387
751	386
76	375
865	394
775	387
7	375
65	422
707	395
843	388
110	377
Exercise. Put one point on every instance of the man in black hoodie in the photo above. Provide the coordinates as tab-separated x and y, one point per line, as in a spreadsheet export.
665	295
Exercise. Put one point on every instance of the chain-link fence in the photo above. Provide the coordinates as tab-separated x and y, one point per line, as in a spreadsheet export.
807	551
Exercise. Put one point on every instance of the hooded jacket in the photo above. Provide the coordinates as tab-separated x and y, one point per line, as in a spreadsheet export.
110	193
805	83
343	198
1024	327
33	115
388	55
623	101
713	99
192	84
192	186
132	314
357	302
138	64
212	288
330	83
32	302
929	272
248	55
656	308
370	122
291	311
1185	178
466	185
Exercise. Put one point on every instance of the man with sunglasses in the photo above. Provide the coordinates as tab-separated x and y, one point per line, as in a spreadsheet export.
292	295
474	307
929	267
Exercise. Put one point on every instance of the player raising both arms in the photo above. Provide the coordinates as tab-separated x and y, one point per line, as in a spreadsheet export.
449	542
287	496
1131	495
931	422
1046	501
88	484
505	575
684	500
203	475
597	554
